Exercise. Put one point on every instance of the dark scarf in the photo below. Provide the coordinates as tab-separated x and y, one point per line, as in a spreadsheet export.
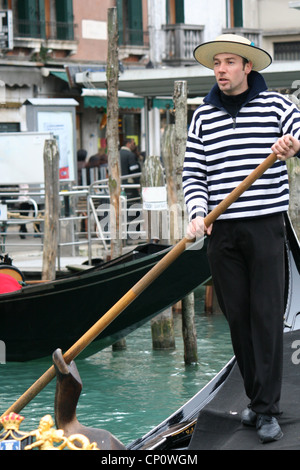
233	103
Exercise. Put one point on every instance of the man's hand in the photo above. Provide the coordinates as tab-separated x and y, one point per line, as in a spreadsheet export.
286	147
196	228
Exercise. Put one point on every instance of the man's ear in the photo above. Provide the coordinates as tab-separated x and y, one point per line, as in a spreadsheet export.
248	67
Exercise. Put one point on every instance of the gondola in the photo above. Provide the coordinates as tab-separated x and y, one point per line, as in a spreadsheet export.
211	419
38	318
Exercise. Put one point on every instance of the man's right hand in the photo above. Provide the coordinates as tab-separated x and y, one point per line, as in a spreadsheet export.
196	228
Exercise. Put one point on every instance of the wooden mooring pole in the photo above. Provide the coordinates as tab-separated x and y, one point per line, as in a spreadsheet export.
112	134
293	165
188	303
162	326
51	171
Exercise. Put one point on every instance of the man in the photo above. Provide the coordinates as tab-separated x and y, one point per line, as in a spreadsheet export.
129	164
236	128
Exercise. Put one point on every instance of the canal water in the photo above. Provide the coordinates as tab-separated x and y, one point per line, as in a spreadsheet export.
128	392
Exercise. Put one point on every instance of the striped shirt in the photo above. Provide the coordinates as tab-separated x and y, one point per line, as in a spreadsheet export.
222	150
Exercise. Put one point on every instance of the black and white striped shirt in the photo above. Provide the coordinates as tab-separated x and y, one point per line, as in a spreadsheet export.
222	150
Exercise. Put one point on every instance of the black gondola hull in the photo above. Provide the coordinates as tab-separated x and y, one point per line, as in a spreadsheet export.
39	319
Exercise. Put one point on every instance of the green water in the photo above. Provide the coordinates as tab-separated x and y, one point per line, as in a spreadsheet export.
128	392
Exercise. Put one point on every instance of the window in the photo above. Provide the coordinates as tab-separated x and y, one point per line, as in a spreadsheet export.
64	18
9	127
130	22
31	18
175	11
234	11
287	50
35	19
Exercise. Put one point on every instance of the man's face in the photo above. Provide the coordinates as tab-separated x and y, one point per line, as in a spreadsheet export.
132	145
231	73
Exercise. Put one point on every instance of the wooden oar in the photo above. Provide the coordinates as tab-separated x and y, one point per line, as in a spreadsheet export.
139	287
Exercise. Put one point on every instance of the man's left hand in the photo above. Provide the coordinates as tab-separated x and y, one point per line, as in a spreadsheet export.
286	147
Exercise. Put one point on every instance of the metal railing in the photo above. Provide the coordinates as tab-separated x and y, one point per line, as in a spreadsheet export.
61	30
84	219
99	209
133	37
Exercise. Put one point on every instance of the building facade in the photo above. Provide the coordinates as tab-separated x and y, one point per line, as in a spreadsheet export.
57	48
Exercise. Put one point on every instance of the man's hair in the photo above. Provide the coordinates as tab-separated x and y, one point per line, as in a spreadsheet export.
245	61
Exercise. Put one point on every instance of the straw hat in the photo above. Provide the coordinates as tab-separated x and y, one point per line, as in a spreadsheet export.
232	44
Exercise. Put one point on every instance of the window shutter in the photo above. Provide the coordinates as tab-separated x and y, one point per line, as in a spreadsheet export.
120	21
179	11
27	15
64	18
135	22
42	18
238	13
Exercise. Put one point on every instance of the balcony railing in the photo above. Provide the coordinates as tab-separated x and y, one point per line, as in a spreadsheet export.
254	35
180	42
133	37
62	31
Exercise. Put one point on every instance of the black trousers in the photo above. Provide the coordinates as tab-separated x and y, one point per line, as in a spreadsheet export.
247	264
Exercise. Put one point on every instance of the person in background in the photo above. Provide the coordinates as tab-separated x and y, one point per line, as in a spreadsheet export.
129	165
97	161
81	163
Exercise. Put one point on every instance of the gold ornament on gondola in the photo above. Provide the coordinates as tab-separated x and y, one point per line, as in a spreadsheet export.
12	438
11	422
46	437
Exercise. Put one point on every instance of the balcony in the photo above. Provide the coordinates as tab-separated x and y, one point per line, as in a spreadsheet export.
57	35
254	35
180	42
133	42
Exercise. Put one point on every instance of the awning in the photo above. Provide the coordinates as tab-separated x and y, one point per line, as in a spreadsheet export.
97	98
160	82
51	102
163	103
155	82
62	75
20	76
101	102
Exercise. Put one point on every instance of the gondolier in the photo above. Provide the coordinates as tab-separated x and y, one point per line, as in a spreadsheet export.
234	130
